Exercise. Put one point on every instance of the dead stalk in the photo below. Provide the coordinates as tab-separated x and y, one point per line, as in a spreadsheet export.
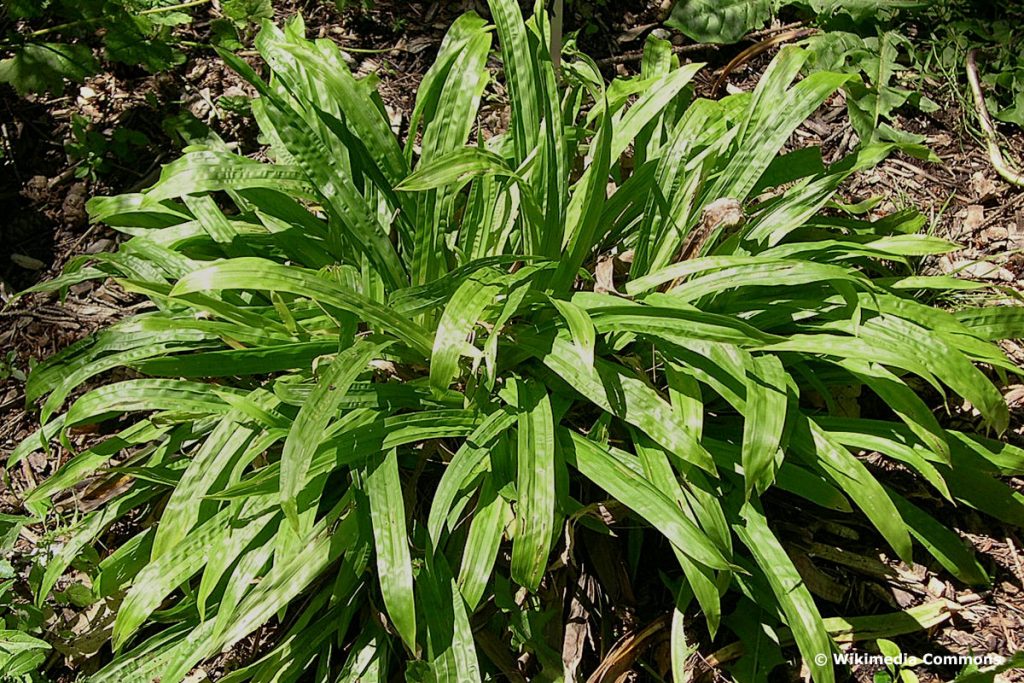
995	154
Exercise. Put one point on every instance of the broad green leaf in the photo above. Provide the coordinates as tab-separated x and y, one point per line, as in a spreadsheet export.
721	21
792	595
482	544
520	76
146	395
619	479
535	485
455	168
394	565
209	470
581	326
42	67
210	171
767	404
457	322
259	274
286	580
450	653
307	432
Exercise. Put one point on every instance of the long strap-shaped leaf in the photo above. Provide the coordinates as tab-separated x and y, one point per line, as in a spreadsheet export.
765	417
308	429
90	365
394	565
790	591
816	445
147	394
459	319
339	193
450	647
482	543
362	438
535	508
628	485
88	461
211	171
614	389
261	274
462	31
587	202
446	132
771	123
520	75
86	531
702	582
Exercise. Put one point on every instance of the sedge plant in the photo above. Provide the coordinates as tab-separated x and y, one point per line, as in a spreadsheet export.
380	390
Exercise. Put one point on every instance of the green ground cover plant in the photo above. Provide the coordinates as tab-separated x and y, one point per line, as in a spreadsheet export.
385	381
52	43
727	21
895	51
953	28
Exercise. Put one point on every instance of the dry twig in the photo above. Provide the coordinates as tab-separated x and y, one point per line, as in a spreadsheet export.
995	154
756	49
637	55
621	658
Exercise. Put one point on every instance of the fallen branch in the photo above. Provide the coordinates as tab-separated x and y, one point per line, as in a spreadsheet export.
995	154
624	654
756	49
637	55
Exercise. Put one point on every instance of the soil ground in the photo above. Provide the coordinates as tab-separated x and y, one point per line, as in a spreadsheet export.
45	225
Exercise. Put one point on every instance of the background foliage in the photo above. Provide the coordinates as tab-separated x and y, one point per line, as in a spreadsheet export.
76	36
891	46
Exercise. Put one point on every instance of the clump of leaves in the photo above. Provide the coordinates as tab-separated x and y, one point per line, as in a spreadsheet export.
876	41
52	43
381	393
727	21
21	655
855	41
95	152
954	28
22	652
874	93
11	367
